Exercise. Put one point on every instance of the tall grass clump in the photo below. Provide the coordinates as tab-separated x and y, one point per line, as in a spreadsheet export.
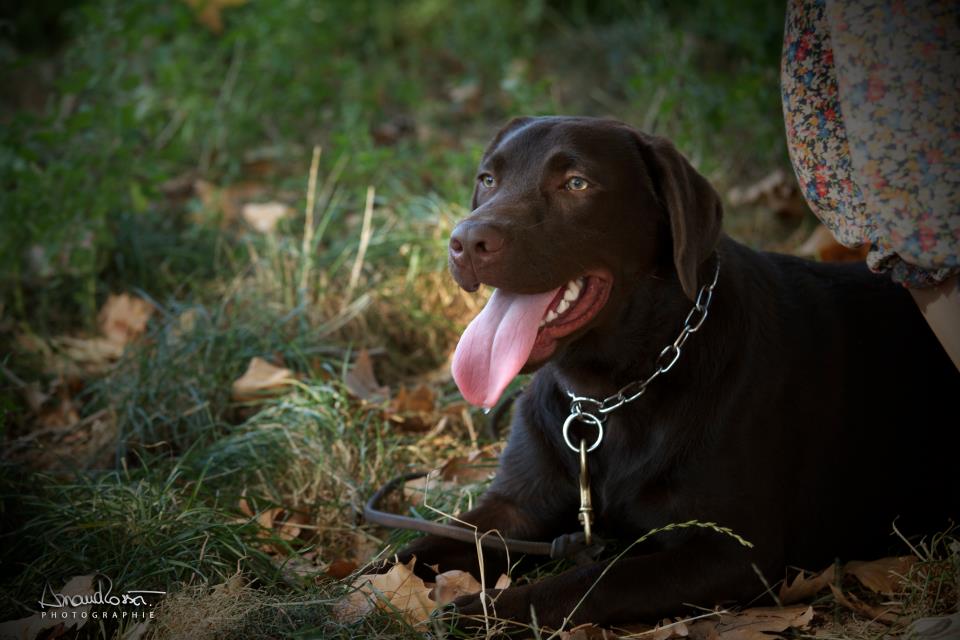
143	529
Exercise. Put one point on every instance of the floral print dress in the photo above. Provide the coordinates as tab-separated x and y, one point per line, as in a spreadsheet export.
871	103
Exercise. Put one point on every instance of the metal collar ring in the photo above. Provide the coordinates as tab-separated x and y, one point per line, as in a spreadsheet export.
585	418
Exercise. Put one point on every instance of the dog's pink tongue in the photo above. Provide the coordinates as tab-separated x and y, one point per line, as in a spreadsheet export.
497	344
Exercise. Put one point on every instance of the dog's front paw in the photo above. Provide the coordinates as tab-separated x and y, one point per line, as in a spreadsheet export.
505	611
436	555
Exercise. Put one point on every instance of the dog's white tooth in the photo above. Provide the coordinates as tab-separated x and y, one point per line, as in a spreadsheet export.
542	322
563	306
551	316
571	294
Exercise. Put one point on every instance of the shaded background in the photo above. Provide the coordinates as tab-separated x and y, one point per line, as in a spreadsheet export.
108	105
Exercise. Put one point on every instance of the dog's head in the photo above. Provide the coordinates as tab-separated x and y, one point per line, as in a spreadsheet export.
569	216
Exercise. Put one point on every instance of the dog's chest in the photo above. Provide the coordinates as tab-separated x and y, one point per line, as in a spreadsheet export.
624	499
628	492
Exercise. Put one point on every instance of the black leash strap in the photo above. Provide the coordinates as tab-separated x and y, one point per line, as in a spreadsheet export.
570	544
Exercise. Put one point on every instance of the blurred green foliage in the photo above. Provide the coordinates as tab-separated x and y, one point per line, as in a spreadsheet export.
142	93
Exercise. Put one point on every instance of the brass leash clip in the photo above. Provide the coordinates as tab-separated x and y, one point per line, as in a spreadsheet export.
586	505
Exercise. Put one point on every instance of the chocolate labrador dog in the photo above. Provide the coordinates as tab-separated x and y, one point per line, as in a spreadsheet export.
799	404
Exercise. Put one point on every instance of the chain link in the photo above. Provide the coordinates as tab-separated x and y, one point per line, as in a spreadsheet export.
585	408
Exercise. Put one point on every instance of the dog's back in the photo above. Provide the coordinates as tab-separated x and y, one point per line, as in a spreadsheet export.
876	389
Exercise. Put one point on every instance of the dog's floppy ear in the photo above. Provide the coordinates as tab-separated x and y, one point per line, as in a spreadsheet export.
691	203
515	123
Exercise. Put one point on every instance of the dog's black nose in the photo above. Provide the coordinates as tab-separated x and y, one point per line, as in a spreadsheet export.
475	243
474	248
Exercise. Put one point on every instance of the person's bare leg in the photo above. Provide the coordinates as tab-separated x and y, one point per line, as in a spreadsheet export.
940	306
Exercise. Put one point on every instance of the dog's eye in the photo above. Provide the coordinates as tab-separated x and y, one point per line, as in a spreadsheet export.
487	180
576	183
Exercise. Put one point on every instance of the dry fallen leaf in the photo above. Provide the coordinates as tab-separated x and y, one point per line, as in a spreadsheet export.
184	325
30	627
414	408
87	354
753	624
244	506
399	589
34	395
419	400
587	631
804	587
227	201
340	569
264	216
459	471
290	528
881	576
284	523
261	378
266	517
62	414
391	131
361	381
64	440
208	12
356	605
123	317
476	466
454	584
466	96
886	614
666	630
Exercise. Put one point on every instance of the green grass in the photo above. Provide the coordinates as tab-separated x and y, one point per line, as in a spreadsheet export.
142	99
138	527
144	94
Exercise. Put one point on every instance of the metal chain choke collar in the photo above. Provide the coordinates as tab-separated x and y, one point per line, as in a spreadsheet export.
592	411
